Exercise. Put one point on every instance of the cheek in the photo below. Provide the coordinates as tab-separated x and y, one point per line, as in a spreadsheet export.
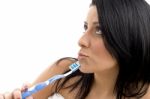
98	49
101	55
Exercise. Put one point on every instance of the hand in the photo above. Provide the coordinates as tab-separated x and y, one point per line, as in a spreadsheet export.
16	94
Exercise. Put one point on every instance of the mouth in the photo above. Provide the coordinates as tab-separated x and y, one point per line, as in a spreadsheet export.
82	56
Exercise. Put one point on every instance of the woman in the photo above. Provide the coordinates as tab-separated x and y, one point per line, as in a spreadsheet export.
114	56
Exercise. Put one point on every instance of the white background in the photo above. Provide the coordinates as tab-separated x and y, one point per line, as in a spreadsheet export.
34	34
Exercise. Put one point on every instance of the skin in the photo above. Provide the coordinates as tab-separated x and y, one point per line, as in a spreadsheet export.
93	57
97	60
92	45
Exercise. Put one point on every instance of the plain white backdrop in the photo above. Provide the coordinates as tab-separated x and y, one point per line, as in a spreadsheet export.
34	34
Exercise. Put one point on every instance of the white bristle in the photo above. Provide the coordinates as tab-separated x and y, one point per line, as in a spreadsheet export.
74	66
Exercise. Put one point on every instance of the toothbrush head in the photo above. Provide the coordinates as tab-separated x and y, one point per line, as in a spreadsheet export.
73	67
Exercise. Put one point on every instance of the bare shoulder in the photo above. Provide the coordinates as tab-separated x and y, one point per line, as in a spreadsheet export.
63	64
57	67
65	92
147	95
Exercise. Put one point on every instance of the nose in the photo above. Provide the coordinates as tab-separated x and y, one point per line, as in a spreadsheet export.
84	41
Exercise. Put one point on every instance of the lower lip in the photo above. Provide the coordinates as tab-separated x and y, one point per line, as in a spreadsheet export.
82	57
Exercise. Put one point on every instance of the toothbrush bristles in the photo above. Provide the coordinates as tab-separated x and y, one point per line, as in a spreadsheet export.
74	66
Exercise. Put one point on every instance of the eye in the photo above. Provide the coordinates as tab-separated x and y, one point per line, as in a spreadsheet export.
85	27
98	30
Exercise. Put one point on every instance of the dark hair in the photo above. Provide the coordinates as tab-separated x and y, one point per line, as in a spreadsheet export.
125	25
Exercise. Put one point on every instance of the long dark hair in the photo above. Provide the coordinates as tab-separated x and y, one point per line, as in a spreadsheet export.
125	25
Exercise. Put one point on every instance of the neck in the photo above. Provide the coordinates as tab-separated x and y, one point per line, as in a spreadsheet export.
104	82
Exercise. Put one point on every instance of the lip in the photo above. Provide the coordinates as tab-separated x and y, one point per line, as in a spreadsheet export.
82	55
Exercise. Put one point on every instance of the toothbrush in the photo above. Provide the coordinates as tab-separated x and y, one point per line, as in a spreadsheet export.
73	67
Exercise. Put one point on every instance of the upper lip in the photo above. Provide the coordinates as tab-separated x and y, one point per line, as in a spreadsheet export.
83	54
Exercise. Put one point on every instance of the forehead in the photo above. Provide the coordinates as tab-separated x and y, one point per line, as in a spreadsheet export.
92	15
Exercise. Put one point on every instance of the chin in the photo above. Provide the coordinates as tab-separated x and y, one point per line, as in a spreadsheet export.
85	70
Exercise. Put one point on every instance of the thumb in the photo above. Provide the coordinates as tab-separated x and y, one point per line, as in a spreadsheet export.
25	86
30	97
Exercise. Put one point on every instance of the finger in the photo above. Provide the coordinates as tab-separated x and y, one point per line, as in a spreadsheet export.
7	95
25	86
1	96
30	97
17	94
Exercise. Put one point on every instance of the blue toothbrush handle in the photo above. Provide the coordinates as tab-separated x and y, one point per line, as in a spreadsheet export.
40	86
36	88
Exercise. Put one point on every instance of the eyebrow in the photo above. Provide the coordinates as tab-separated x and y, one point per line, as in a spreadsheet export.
95	23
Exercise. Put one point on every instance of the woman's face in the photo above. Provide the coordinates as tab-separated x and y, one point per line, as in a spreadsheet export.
93	55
